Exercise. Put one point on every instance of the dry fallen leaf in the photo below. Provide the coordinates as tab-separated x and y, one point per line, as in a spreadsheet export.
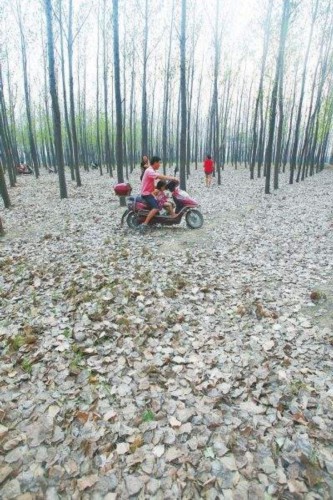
300	419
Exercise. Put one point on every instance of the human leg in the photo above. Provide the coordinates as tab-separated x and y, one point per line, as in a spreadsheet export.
154	209
169	208
151	214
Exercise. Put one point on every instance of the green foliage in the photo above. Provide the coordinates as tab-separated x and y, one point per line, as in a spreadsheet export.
26	365
296	386
75	365
67	333
148	416
17	342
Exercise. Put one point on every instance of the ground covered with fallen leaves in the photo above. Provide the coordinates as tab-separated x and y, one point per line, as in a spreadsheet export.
179	364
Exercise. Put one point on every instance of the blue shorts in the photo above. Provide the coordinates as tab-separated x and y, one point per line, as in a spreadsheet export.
150	200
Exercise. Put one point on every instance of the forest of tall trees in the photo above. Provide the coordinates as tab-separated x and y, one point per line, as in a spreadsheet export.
104	82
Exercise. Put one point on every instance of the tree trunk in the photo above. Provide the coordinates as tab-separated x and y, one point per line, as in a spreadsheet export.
33	150
71	94
166	95
144	117
260	89
131	116
6	142
286	149
278	152
196	132
215	106
294	151
98	134
124	103
55	102
277	80
182	155
189	107
64	92
106	96
3	190
119	135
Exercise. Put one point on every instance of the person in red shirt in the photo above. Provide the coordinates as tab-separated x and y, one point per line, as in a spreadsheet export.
148	186
208	166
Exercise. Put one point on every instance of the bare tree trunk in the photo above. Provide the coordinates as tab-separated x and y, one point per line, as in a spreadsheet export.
64	92
153	121
55	102
71	93
177	131
247	152
226	120
6	146
166	94
98	134
84	119
131	118
33	150
238	126
215	102
277	81
119	137
11	107
294	151
124	101
113	153
196	132
308	131
4	190
260	90
264	118
106	96
50	142
189	107
278	152
326	52
144	117
182	159
286	149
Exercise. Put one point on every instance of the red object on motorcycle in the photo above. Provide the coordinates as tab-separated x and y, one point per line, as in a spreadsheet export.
141	206
122	189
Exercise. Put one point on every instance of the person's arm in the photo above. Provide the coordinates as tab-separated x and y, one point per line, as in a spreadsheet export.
166	177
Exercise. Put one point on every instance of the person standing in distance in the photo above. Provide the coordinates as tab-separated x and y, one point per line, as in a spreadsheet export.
148	186
143	165
208	169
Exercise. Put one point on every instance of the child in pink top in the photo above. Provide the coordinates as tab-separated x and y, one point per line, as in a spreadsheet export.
162	198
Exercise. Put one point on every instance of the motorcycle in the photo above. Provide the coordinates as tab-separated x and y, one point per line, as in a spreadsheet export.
137	209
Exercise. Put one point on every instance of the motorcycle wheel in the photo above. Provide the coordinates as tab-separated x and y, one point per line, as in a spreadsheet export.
132	220
194	219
